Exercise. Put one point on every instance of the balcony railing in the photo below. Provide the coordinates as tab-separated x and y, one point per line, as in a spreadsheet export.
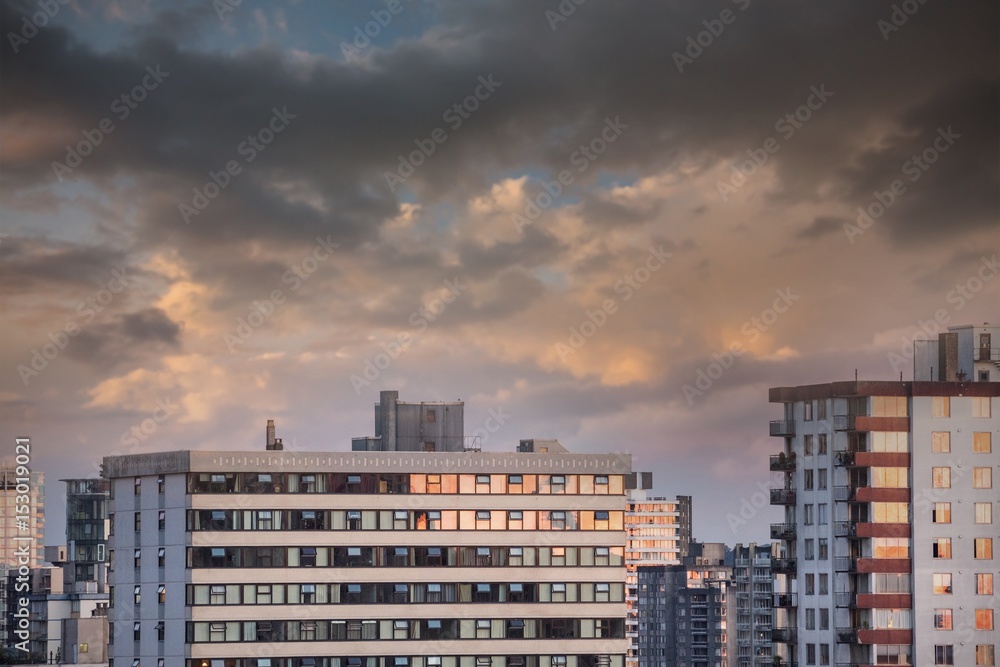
783	635
847	635
844	564
844	599
782	531
783	462
843	422
785	600
784	428
844	529
986	354
843	493
782	496
844	459
784	565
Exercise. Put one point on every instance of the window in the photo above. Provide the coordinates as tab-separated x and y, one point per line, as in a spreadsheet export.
822	514
558	483
160	631
810	548
941	442
602	592
981	406
483	628
941	477
558	520
217	594
824	619
138	521
982	478
981	443
824	584
984	548
822	473
807	445
984	619
942	583
944	655
890	512
515	556
400	629
601	520
810	619
807	482
515	629
137	559
808	517
824	548
810	648
807	411
162	520
307	555
985	654
810	584
821	409
138	485
558	592
161	594
941	407
515	520
942	547
161	557
135	631
984	512
482	519
434	592
137	595
821	446
984	583
942	513
942	619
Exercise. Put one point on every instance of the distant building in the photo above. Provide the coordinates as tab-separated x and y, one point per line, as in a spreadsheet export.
752	587
887	546
415	427
394	558
14	490
687	612
87	525
659	531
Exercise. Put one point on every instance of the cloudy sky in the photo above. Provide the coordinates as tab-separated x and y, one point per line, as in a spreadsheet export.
612	223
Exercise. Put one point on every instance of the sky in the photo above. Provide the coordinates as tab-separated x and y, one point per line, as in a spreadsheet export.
616	224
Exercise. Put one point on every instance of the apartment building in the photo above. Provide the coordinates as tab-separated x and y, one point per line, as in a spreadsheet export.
659	532
687	612
17	494
368	559
887	545
753	592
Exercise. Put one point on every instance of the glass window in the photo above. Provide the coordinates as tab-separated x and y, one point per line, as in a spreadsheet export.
981	443
942	547
941	477
984	583
984	619
942	619
940	406
941	442
982	478
941	513
981	406
984	548
985	654
942	583
944	655
984	512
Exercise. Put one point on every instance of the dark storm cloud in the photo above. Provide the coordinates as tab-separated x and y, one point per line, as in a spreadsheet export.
109	345
821	226
34	264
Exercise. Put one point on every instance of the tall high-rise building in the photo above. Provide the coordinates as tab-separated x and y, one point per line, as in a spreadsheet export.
22	499
753	592
887	545
659	531
87	523
687	612
368	558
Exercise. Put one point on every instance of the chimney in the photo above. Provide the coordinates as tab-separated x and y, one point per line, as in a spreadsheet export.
270	434
278	446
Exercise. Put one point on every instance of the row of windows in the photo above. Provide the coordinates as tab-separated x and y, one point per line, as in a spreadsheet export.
425	629
404	556
942	583
405	520
402	593
981	442
941	513
941	406
982	477
944	654
432	483
417	661
944	619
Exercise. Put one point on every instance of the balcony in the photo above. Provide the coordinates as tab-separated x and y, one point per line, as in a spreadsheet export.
847	635
784	635
785	600
844	599
784	428
782	496
842	494
843	422
986	354
844	529
782	531
784	565
844	564
844	459
783	462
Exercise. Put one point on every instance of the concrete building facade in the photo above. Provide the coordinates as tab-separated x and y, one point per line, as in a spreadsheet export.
374	559
753	591
887	546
